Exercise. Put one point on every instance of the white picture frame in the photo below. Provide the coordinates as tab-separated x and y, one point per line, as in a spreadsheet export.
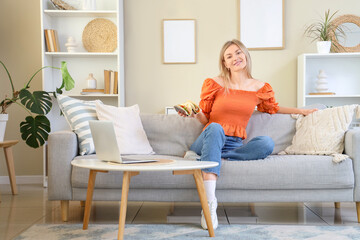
170	110
179	41
261	24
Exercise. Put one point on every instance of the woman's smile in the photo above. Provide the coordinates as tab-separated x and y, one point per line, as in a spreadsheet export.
237	63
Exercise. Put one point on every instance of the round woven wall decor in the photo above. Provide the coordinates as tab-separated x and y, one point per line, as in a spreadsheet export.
348	18
99	35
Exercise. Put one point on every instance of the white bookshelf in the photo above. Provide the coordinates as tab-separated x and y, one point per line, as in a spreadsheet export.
81	63
343	76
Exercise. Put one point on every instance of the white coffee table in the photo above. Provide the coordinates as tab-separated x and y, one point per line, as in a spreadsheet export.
178	167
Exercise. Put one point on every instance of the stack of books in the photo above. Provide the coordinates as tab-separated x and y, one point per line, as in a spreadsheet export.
52	41
87	91
110	82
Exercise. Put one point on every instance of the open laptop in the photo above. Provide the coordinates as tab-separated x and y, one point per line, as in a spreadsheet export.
106	146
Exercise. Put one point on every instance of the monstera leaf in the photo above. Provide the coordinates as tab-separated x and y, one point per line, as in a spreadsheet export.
35	131
68	82
39	102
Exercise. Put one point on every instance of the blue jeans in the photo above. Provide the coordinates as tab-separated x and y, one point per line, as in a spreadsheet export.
213	144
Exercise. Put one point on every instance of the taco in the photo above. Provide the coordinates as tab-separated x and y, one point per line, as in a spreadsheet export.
187	108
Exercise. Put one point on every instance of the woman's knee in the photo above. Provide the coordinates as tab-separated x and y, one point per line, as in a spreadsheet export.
215	128
215	131
266	143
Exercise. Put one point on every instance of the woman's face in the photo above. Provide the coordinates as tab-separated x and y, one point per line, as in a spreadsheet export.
234	58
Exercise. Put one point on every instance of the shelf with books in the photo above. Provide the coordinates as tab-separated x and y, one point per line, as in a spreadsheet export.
71	23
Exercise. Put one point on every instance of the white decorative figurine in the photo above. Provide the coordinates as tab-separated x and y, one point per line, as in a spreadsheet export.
71	44
322	83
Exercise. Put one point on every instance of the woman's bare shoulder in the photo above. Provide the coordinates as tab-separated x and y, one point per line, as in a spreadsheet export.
258	84
219	81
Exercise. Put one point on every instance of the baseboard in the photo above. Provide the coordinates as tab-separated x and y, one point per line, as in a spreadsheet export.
33	179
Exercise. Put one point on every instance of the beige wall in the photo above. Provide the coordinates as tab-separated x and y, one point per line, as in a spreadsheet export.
20	51
150	83
154	85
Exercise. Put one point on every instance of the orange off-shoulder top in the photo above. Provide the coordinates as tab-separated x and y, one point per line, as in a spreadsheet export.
233	110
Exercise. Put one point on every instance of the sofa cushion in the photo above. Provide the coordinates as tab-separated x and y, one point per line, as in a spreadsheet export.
170	134
129	131
273	173
280	127
287	172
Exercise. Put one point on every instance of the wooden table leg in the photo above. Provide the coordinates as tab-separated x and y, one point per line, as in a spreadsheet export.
123	205
11	170
204	204
89	196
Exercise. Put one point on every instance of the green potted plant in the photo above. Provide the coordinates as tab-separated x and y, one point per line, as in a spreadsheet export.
322	31
36	127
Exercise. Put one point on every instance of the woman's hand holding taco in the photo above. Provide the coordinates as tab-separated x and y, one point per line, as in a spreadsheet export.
188	108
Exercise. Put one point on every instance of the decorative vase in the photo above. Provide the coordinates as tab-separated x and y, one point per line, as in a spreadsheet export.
322	83
91	82
3	119
323	46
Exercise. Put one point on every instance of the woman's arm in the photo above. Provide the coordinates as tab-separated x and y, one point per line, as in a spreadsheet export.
288	110
199	116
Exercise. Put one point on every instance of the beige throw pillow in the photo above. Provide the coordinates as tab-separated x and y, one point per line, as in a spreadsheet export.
322	132
130	134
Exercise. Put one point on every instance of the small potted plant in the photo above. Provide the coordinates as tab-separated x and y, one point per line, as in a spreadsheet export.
36	127
322	31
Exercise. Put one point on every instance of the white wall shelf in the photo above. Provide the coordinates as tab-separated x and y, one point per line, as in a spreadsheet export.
81	62
81	54
71	23
93	95
80	13
332	96
343	77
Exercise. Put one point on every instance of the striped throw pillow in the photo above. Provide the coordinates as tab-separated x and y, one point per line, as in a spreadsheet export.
78	113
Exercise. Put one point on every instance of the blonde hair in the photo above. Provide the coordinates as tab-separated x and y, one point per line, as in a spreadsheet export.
225	73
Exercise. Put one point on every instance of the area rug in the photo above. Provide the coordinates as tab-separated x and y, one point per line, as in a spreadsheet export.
189	231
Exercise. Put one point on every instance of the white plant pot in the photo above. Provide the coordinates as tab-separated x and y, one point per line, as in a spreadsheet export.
323	46
3	119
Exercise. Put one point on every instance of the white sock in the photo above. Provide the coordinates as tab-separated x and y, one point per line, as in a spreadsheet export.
210	186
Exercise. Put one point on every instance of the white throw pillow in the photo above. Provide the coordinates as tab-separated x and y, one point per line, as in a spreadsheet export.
322	132
78	113
130	134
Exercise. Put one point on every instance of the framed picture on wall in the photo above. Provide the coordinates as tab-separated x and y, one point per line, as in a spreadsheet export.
261	24
179	39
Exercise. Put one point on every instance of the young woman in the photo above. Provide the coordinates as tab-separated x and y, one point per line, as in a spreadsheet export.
227	102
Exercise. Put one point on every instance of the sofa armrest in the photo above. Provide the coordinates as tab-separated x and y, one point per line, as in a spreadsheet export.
62	148
352	149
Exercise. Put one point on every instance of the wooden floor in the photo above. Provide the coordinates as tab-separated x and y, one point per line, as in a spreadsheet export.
30	206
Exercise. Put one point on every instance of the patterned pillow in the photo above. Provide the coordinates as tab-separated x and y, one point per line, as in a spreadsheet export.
78	113
322	132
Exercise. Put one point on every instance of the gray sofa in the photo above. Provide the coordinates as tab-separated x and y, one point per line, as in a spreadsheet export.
278	178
